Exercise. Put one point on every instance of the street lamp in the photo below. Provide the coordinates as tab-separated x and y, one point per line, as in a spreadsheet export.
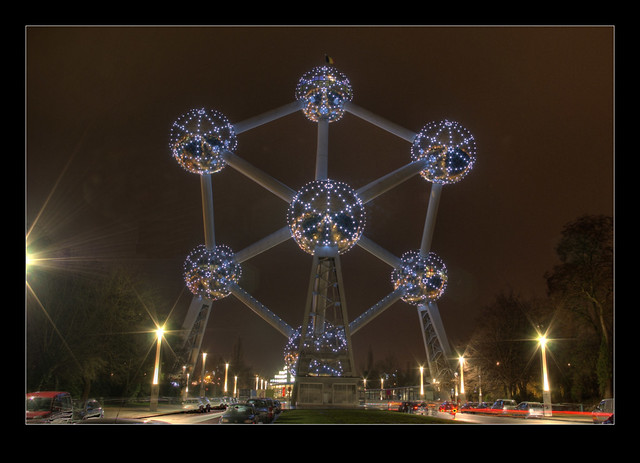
226	372
421	382
204	359
546	390
155	382
462	395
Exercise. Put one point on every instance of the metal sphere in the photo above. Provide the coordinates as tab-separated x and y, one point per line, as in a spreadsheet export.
198	139
324	90
324	347
450	149
208	273
326	217
424	278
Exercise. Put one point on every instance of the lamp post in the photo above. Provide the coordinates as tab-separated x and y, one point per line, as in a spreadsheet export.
226	372
462	394
204	359
421	382
235	386
546	390
155	382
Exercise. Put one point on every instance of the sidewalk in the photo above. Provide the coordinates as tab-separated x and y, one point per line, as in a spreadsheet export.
138	411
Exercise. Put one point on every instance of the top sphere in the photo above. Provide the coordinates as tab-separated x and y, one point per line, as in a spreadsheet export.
198	139
450	149
324	90
326	217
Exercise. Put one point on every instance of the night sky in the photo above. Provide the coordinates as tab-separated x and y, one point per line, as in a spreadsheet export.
101	179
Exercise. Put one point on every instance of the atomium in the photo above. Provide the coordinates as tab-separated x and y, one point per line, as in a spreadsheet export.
449	148
199	138
208	273
423	278
326	215
324	91
323	347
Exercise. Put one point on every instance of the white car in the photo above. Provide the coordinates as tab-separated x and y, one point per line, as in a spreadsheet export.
529	410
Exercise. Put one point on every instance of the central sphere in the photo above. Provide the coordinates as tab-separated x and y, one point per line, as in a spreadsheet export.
326	217
424	278
209	272
199	138
324	90
449	148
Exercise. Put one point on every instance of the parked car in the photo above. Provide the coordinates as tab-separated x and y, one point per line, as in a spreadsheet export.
277	406
263	408
49	407
240	413
483	407
469	407
88	409
194	404
423	409
217	403
603	412
529	410
503	405
206	403
408	407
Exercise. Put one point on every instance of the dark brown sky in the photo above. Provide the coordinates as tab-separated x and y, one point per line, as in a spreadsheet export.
539	101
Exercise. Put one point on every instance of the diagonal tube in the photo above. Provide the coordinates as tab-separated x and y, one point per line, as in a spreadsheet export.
267	117
378	121
272	319
260	177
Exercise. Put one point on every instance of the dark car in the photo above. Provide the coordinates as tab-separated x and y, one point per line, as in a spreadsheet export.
240	413
88	409
469	407
263	408
408	407
277	406
49	407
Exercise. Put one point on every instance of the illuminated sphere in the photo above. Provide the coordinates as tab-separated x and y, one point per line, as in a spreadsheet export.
208	273
198	139
424	279
324	347
326	217
449	148
324	90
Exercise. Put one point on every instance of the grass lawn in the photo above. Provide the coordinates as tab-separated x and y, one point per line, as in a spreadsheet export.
356	416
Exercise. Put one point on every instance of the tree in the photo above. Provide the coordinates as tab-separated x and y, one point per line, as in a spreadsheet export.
503	346
582	284
84	331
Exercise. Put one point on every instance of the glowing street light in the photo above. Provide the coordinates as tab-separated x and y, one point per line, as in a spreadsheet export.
421	382
204	359
546	390
226	372
155	382
461	360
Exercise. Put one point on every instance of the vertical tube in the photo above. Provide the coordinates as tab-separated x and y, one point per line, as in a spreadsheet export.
430	221
207	211
322	154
